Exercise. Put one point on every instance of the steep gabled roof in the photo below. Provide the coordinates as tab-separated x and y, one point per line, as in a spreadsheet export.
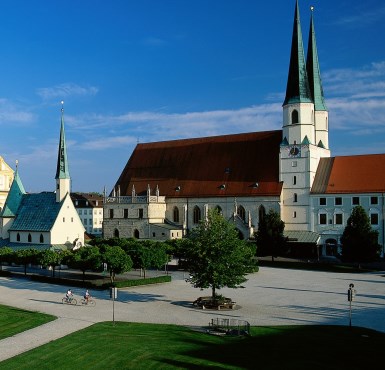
37	212
228	165
14	197
350	174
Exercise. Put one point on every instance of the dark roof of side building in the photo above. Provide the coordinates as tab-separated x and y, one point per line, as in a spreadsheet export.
350	174
229	165
87	200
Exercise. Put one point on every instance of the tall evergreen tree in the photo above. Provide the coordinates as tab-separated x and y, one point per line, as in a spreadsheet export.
269	237
359	241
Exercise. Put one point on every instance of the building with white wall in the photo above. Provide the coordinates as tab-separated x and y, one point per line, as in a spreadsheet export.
291	171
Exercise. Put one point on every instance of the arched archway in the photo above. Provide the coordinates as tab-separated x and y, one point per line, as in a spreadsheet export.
176	214
116	233
136	234
197	215
241	213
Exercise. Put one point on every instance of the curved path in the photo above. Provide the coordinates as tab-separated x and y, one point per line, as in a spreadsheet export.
270	297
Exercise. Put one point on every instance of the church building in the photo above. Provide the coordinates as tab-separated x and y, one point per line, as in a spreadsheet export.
46	220
167	187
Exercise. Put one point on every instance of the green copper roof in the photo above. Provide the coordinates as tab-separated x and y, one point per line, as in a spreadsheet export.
14	197
297	89
313	70
37	212
62	171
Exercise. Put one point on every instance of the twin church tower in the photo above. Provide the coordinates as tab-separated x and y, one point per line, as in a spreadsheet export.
304	130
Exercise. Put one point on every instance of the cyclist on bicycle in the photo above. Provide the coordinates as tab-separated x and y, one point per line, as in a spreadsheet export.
69	295
86	296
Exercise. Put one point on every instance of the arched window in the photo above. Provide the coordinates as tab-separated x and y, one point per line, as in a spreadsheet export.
176	214
29	238
219	210
241	213
136	234
41	238
197	215
18	237
295	198
261	213
116	233
294	116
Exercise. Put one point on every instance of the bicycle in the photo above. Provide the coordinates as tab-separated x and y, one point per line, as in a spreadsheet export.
90	302
71	301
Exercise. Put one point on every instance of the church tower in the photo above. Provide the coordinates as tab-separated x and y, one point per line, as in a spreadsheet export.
63	180
305	129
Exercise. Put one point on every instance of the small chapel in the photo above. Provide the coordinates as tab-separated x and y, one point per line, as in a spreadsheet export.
46	220
167	187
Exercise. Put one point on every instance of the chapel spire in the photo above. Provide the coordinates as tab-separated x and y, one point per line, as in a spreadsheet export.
297	89
313	70
62	172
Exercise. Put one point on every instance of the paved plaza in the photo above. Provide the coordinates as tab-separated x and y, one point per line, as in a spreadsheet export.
271	296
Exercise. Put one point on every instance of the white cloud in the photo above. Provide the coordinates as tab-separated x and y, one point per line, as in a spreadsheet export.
153	126
12	113
66	89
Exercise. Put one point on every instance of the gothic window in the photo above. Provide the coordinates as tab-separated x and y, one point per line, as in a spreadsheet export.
41	238
29	238
116	233
196	215
261	213
294	116
176	214
219	210
241	213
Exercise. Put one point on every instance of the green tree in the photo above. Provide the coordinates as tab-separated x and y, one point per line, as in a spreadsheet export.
269	237
25	257
85	258
50	258
117	260
216	257
5	253
359	241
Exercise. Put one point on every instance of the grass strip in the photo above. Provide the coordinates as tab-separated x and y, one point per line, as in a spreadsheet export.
157	346
15	320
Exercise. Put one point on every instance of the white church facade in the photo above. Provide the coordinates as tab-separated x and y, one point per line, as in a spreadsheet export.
167	187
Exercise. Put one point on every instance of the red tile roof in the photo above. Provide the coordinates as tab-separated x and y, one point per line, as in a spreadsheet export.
199	167
351	174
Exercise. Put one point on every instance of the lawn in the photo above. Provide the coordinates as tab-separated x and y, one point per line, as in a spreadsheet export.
15	320
155	346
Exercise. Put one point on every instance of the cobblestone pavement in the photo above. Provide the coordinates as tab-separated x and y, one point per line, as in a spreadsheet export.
272	296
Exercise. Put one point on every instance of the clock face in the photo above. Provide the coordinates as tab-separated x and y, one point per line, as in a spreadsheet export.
294	151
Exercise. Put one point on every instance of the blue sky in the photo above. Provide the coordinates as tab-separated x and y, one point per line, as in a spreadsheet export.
151	70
